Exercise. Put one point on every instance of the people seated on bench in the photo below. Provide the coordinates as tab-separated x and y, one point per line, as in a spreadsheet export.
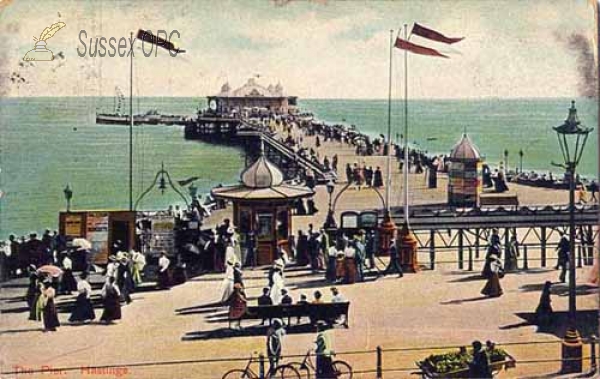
286	299
500	183
317	298
265	299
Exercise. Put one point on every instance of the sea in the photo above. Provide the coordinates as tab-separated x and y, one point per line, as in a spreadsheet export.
47	143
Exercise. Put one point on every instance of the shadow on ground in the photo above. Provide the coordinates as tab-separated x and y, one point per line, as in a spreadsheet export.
587	323
251	331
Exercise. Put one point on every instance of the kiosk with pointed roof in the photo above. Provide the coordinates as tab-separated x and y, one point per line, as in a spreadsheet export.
464	177
262	204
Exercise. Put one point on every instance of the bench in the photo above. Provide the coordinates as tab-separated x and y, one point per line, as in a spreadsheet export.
499	200
327	312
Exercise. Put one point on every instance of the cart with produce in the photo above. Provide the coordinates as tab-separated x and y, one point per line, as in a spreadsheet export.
456	364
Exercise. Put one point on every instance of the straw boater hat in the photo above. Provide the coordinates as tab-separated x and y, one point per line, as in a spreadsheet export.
112	258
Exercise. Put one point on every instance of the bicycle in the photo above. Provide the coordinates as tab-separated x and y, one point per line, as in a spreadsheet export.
341	369
285	371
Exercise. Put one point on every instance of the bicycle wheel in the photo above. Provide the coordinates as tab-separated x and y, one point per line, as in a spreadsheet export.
285	372
238	374
342	370
302	369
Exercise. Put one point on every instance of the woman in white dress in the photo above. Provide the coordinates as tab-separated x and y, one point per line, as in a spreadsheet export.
227	283
277	286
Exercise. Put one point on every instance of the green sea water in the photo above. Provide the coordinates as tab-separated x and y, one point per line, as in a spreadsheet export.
46	143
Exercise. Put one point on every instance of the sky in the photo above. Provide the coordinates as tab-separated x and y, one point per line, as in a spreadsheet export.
315	49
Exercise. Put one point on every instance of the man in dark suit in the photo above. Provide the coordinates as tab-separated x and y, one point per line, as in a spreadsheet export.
394	265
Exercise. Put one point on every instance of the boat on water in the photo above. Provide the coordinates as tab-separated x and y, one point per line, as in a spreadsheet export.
152	117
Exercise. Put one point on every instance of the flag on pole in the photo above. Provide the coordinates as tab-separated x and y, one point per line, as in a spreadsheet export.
155	40
431	34
417	49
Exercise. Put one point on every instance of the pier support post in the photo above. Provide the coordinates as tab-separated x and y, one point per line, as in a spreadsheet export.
379	363
506	243
579	258
470	263
525	263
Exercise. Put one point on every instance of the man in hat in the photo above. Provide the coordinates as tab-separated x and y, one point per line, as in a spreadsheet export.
479	367
264	299
275	336
563	249
360	255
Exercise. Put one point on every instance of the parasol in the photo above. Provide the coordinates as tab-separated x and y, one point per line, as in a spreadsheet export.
82	243
190	247
53	271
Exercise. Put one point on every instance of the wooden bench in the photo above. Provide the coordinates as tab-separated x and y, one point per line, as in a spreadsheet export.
499	200
328	312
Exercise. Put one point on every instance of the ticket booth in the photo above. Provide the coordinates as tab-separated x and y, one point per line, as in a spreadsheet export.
464	177
262	203
101	228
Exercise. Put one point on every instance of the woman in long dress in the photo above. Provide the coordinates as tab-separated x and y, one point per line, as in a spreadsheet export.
350	264
112	301
34	297
68	281
227	283
164	280
84	310
138	263
543	312
277	286
492	286
49	313
237	305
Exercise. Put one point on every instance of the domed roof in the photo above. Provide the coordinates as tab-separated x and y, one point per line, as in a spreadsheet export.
465	149
262	174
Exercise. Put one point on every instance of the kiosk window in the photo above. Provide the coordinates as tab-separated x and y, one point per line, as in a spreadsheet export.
265	226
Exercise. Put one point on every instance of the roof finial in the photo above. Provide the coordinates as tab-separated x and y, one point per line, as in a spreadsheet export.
465	130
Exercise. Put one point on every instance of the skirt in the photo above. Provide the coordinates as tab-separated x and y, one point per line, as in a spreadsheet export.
112	308
50	317
492	287
35	310
68	281
164	280
350	264
83	309
340	268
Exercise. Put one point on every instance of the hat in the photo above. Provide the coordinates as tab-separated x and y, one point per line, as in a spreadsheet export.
112	258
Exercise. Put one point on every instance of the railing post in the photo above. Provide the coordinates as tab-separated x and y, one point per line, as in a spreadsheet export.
543	245
379	368
579	261
261	366
460	249
593	363
432	249
477	243
525	263
470	264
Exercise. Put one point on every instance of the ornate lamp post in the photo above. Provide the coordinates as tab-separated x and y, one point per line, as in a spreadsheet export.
520	161
330	221
572	137
68	196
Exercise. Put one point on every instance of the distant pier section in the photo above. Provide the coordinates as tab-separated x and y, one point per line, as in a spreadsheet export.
244	117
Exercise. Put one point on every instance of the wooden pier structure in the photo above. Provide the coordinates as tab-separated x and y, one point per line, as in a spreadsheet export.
467	230
241	132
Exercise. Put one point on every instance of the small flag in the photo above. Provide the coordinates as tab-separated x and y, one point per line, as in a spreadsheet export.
433	35
417	49
155	40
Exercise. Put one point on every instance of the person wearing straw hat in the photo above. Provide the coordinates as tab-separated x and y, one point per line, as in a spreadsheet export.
275	336
112	301
492	287
228	281
237	306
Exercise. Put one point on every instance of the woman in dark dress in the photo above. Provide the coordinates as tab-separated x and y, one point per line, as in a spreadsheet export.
492	286
112	301
49	313
377	178
32	295
237	305
84	310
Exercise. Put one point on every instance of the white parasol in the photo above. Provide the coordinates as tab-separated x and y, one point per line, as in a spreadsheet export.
82	244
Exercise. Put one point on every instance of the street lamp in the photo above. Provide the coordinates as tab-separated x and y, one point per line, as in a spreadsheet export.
330	221
572	137
521	161
68	196
505	161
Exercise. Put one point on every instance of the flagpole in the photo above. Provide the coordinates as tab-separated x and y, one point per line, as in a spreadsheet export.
405	166
131	128
389	131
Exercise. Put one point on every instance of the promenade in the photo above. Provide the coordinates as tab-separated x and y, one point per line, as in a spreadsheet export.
429	309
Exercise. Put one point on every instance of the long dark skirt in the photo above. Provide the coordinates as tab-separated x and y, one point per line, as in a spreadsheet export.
50	317
112	308
83	309
33	312
164	279
492	286
68	282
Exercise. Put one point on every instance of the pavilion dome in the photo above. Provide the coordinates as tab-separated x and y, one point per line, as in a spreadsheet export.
465	149
252	88
262	174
